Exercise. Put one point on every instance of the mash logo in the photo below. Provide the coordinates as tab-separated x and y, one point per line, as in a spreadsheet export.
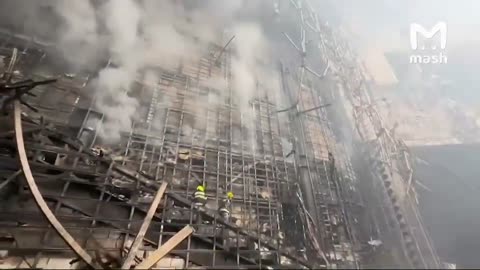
416	29
435	58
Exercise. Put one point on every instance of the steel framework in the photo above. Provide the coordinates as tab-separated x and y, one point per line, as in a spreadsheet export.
296	201
185	134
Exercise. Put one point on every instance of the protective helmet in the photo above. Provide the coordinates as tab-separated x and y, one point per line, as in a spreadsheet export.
200	188
230	195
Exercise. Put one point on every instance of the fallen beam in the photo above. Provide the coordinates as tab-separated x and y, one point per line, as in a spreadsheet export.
223	50
38	196
143	229
10	179
182	201
187	203
158	254
112	212
314	108
264	242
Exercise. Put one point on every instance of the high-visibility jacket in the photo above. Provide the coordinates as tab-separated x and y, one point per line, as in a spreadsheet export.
224	209
199	198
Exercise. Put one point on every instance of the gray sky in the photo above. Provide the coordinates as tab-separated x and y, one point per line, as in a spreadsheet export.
385	24
386	21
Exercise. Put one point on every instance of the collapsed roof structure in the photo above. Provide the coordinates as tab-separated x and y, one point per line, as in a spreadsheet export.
112	172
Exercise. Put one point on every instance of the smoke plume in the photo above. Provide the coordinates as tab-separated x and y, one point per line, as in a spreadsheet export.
134	36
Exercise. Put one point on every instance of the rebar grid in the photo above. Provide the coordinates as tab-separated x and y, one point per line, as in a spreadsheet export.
171	142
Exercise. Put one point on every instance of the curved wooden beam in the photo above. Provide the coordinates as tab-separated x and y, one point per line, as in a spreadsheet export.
38	196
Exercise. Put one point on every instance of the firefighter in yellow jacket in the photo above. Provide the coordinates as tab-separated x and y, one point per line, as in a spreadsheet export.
199	197
224	209
199	200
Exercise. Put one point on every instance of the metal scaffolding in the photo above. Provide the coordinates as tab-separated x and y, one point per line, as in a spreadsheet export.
185	134
295	203
387	159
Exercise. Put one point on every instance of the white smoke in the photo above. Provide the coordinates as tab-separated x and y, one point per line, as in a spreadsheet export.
249	49
137	35
250	71
78	39
112	99
215	82
121	20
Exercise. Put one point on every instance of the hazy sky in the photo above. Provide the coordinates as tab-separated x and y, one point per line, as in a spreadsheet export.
453	220
387	21
385	25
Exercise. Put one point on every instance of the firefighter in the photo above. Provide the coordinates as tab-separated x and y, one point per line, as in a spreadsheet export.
199	200
225	205
199	197
224	212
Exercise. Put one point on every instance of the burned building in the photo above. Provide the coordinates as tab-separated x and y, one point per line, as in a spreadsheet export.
110	179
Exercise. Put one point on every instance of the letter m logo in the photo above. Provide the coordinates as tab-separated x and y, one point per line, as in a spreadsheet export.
416	29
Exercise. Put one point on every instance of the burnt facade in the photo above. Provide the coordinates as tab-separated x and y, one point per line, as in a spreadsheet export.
295	198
